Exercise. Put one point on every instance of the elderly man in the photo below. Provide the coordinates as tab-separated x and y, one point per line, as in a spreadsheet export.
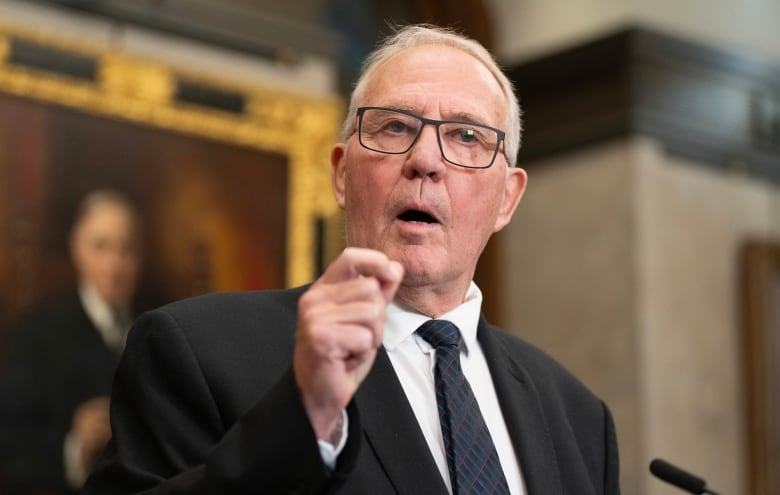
56	387
381	377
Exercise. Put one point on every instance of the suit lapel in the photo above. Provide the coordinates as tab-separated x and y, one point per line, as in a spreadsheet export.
523	415
393	432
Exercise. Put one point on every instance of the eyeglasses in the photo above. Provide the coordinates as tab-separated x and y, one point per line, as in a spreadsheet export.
394	132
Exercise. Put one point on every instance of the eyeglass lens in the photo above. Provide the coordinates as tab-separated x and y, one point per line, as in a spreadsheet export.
464	144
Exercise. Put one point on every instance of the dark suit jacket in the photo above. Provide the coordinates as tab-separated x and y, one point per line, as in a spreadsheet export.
205	402
56	361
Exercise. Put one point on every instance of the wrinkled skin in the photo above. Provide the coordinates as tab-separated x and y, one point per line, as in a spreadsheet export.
426	265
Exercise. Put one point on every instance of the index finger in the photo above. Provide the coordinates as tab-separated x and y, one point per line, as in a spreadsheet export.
361	262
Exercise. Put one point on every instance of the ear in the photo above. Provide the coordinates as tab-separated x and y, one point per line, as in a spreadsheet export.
514	187
337	170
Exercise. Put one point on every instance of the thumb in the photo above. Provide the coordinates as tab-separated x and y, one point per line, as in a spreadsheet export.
389	283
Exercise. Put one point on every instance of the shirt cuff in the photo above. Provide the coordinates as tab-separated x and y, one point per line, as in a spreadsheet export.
330	452
75	474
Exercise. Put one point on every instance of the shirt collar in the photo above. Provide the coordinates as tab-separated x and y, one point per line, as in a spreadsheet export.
402	322
107	319
97	310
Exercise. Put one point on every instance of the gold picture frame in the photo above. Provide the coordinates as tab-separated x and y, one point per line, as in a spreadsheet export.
143	92
760	270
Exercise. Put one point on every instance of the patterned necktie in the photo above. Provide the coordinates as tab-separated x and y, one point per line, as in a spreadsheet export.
471	456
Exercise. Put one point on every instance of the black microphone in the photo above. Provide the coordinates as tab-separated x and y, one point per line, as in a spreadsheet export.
679	478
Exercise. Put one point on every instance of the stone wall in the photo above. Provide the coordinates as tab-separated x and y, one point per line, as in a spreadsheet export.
624	266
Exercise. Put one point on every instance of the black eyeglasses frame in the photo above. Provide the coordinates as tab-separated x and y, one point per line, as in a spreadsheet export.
437	124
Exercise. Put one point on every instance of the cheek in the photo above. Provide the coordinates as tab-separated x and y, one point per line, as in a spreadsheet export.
355	198
367	188
91	261
476	210
359	208
475	229
369	191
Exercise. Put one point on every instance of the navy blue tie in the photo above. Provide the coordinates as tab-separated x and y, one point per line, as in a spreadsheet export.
471	456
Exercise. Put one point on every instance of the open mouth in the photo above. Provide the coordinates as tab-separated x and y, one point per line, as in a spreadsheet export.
416	216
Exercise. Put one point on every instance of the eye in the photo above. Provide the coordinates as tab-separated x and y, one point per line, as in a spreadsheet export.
388	123
396	126
467	135
464	134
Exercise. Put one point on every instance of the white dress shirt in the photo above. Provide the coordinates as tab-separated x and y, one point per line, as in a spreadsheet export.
413	359
112	324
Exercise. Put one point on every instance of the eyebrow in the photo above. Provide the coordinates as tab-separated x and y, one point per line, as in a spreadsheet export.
467	117
456	117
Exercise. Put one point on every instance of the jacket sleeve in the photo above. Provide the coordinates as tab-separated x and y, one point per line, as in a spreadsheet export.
169	435
611	462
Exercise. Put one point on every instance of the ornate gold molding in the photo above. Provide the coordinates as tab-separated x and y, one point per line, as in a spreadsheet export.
300	127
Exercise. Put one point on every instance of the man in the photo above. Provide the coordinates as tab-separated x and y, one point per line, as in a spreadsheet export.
330	388
58	379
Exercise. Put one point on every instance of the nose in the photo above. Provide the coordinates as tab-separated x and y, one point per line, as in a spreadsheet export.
425	159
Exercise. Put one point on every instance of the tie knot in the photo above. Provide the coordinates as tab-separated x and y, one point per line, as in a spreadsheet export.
439	333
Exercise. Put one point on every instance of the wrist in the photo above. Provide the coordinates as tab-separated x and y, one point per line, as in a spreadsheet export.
325	423
338	430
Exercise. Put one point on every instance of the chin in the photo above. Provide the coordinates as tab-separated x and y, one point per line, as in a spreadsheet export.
416	273
116	299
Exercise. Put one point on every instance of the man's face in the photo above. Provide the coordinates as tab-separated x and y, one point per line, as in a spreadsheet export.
462	207
105	253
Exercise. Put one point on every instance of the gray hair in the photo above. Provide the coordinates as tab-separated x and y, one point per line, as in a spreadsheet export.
424	34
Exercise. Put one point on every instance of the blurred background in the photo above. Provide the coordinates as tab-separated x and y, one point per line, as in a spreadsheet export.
645	255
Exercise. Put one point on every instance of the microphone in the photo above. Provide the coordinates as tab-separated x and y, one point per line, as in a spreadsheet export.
679	478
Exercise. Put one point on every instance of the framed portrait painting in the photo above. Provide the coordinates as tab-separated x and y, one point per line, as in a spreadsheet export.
232	182
761	358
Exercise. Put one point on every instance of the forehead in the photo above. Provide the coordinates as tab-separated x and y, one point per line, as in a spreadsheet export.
106	217
437	81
